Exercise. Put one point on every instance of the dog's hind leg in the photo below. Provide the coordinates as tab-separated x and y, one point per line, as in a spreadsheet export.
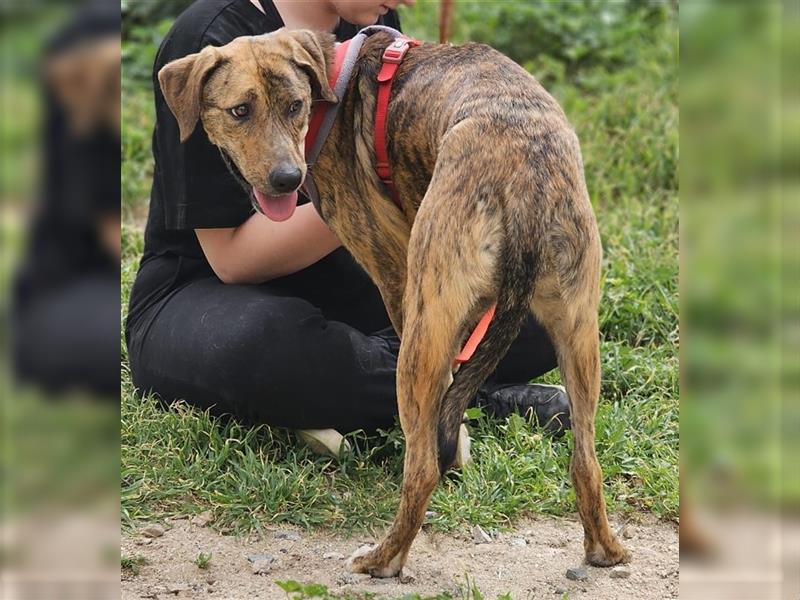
569	313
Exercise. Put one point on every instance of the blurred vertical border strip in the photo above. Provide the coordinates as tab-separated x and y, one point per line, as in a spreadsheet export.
739	290
59	478
790	297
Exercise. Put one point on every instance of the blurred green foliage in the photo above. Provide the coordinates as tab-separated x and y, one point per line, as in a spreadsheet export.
578	34
739	248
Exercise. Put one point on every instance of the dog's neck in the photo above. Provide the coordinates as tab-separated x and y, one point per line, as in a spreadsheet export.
339	170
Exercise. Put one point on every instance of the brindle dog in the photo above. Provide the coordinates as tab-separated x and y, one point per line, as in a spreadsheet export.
494	210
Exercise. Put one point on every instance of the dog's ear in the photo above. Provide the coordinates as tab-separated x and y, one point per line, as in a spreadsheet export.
182	82
313	52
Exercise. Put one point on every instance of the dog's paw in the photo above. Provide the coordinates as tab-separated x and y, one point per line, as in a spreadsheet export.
614	554
355	564
366	560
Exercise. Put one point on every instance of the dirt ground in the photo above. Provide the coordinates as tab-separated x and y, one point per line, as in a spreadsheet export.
529	562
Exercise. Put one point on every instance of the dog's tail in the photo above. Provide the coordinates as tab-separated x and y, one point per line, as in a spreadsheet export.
520	268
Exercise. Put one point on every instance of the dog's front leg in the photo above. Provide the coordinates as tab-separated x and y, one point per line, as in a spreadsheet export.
388	271
378	240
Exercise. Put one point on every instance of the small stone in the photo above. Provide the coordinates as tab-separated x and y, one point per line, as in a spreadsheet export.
479	536
407	576
253	558
211	580
333	556
620	572
288	535
153	531
203	519
518	541
560	591
176	588
577	574
259	567
144	541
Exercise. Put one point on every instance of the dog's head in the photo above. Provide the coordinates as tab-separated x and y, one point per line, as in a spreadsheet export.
254	97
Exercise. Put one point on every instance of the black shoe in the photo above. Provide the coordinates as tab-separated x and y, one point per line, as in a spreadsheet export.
548	403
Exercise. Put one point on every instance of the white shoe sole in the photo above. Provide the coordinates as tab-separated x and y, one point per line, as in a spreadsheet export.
325	442
463	455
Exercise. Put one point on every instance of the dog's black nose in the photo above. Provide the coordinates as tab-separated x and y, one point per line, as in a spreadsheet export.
285	178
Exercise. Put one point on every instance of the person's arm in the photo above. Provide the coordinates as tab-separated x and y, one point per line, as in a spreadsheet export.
110	234
259	249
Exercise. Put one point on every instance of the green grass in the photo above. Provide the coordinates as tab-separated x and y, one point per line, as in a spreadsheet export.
132	564
203	561
180	461
298	591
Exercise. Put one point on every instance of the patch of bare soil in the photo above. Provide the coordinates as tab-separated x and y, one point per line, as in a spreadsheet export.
529	562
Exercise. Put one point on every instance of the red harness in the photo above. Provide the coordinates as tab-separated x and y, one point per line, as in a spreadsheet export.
391	59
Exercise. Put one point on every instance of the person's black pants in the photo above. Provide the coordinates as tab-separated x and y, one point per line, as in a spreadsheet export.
266	356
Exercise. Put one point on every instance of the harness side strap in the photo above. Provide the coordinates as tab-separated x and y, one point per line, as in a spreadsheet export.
476	337
323	117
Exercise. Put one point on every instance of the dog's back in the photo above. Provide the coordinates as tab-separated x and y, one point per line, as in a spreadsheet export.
504	143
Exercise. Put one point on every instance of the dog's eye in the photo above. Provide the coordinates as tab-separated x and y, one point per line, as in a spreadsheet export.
295	107
241	111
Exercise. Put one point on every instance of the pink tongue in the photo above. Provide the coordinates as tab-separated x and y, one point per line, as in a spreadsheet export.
277	208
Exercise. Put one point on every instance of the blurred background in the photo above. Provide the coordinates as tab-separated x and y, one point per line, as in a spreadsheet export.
60	224
740	409
608	63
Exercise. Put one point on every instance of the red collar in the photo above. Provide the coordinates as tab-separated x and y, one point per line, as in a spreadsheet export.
391	59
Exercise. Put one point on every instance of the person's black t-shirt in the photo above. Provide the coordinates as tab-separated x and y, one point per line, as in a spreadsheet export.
192	186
